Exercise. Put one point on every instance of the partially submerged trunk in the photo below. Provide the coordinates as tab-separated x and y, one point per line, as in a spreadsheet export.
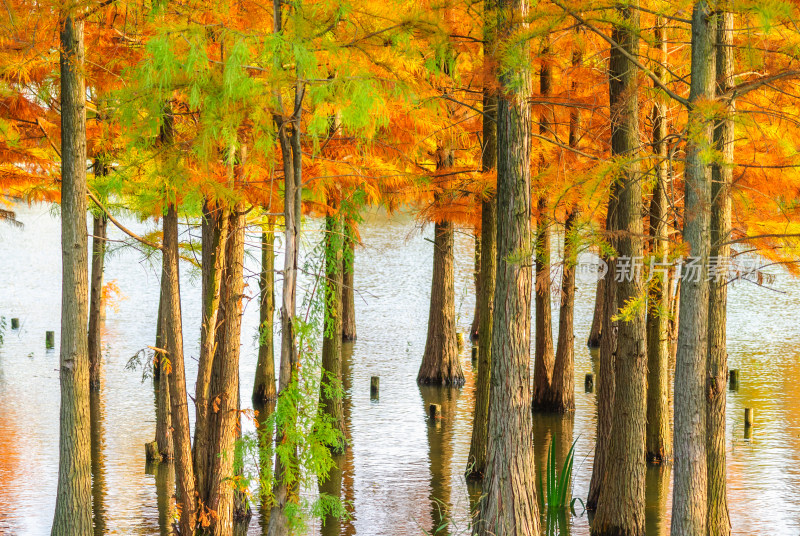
264	385
224	414
440	364
719	523
170	281
161	382
330	397
509	505
476	462
562	394
621	506
658	438
690	501
348	290
476	277
73	513
99	227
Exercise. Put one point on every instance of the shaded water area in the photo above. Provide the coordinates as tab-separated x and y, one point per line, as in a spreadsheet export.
402	475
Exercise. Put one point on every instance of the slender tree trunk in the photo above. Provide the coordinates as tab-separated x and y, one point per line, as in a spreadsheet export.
73	513
719	523
215	233
99	226
348	289
562	394
440	363
476	463
621	508
690	502
331	381
170	281
543	356
160	371
224	415
596	331
476	275
658	439
264	385
607	357
509	505
284	491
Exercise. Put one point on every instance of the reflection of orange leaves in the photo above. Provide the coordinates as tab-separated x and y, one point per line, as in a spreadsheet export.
112	295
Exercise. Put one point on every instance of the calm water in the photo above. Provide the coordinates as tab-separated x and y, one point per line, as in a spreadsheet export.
400	470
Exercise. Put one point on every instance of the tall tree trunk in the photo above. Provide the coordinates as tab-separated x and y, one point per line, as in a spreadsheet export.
689	502
215	234
607	357
476	276
73	513
224	414
596	331
160	371
476	463
284	492
331	381
348	289
621	508
99	226
543	355
658	439
509	505
440	364
264	385
562	393
719	523
170	281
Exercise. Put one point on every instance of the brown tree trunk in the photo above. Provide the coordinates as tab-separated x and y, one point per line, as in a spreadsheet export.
658	439
99	227
621	508
476	462
331	381
73	513
719	523
690	501
440	363
509	505
161	382
607	357
596	331
562	393
476	276
348	290
170	281
543	356
215	234
264	385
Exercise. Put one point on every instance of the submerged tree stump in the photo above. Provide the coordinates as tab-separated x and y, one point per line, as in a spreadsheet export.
374	387
152	455
15	323
748	417
435	412
50	340
733	375
588	383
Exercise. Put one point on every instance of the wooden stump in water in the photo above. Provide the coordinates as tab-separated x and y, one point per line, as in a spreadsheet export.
435	412
733	375
374	387
588	383
151	452
15	323
748	417
50	340
460	340
475	353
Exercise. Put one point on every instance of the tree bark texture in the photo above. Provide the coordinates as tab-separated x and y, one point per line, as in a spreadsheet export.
99	226
719	523
348	289
509	505
658	437
690	503
73	513
264	385
440	364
